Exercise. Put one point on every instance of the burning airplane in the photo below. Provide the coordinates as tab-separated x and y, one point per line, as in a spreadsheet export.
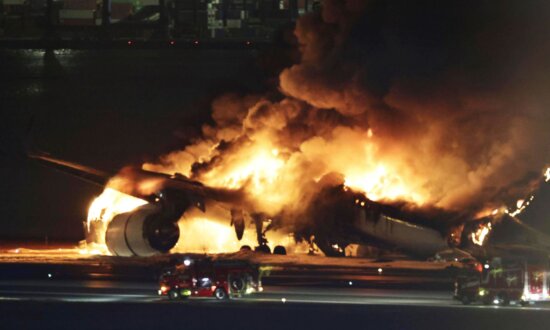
140	216
378	134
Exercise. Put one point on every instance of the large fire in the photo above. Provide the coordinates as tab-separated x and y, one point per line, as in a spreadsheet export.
447	137
276	174
101	211
203	235
200	234
273	177
262	174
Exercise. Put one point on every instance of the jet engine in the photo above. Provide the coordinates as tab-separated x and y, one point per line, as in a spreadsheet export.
144	231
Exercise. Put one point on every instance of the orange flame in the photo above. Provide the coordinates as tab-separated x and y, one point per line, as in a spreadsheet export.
101	211
205	235
111	203
481	233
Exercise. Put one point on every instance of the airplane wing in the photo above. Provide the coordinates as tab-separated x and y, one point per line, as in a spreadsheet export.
82	172
140	183
152	228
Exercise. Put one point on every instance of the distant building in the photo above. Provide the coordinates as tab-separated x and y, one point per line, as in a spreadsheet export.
212	19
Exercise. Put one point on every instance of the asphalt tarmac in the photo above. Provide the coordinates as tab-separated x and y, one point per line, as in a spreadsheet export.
52	304
111	291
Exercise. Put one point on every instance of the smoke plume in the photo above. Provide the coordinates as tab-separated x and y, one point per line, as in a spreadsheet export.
442	104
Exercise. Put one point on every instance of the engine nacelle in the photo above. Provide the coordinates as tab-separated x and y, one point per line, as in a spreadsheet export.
144	232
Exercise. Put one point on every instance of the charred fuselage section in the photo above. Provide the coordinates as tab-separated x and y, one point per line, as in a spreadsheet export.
503	235
339	216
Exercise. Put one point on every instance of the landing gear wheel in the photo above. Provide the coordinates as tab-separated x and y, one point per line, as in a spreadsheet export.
279	249
220	294
246	248
263	249
173	295
465	300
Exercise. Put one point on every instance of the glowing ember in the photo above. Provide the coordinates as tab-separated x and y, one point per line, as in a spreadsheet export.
480	235
521	205
547	175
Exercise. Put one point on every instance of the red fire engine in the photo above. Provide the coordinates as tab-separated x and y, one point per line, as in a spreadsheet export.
501	282
205	277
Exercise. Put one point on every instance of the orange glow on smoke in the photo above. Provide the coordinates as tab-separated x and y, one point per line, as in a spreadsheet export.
276	174
275	177
259	167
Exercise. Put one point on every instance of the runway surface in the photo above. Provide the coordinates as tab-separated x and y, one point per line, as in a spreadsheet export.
47	292
110	291
51	304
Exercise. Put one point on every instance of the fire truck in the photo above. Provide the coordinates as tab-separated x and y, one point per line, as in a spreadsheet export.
501	282
204	277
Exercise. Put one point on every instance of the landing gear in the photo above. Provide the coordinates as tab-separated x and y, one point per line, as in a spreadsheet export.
259	220
246	248
279	249
263	249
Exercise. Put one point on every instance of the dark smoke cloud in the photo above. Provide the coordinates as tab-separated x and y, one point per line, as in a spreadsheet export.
454	95
460	89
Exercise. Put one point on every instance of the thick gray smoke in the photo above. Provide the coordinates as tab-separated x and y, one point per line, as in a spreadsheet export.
458	90
453	96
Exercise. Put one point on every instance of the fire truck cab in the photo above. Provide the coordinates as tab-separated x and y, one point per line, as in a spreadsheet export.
501	282
205	277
